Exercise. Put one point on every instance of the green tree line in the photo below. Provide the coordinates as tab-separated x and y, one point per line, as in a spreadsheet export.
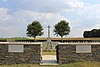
92	34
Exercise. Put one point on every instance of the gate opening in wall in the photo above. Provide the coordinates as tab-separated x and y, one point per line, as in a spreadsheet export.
48	53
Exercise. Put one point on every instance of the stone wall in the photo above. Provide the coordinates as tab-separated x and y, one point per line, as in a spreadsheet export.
31	54
66	53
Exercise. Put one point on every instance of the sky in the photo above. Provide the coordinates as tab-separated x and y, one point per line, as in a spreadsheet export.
15	15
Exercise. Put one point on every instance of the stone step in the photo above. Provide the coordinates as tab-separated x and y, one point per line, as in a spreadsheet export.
48	60
48	64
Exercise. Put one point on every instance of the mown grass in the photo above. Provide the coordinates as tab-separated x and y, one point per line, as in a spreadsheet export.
17	38
25	38
82	64
77	64
28	65
49	53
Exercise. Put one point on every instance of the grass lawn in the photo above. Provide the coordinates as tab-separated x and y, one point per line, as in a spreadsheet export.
82	64
78	64
49	53
18	38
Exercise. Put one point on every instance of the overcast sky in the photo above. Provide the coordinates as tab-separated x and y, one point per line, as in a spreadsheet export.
15	15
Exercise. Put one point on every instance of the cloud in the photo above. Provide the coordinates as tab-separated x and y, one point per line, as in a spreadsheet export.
16	17
5	0
86	18
97	26
91	10
17	22
48	6
3	14
90	15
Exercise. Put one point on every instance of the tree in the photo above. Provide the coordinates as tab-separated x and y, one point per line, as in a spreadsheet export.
93	33
86	34
34	29
98	33
62	29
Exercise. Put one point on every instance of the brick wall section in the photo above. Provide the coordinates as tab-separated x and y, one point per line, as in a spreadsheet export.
67	54
31	54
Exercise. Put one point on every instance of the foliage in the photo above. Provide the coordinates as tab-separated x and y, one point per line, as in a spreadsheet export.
92	33
62	28
34	29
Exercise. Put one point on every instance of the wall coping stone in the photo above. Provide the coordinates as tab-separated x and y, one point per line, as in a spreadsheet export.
20	43
91	43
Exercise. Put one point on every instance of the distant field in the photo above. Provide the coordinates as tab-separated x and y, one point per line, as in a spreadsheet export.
78	64
55	39
16	38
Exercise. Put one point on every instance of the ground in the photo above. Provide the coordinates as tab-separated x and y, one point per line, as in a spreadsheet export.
76	64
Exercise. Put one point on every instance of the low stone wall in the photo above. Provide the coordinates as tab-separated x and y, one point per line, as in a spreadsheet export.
31	54
66	53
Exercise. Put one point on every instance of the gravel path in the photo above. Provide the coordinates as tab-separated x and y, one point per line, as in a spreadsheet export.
48	60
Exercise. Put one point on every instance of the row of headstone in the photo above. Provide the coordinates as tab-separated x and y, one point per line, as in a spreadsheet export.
84	42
